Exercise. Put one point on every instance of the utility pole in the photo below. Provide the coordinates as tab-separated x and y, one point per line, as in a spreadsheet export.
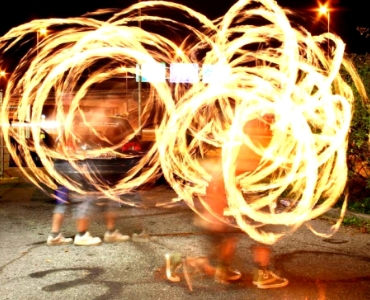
139	86
1	142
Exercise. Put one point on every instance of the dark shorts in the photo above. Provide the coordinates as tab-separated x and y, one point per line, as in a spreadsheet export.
82	206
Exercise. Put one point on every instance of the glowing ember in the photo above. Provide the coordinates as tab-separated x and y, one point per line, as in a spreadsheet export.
279	116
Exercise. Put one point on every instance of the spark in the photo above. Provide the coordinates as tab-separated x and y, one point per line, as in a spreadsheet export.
273	69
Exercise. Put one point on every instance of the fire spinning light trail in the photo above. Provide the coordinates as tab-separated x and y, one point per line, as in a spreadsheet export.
271	69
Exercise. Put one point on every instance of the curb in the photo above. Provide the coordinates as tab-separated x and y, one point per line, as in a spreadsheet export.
9	180
335	213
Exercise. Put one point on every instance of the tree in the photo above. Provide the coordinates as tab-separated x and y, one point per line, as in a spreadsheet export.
359	148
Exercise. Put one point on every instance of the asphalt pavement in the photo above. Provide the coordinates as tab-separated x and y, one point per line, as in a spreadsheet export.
316	267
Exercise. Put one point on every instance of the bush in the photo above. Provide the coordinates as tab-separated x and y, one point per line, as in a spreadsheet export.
358	148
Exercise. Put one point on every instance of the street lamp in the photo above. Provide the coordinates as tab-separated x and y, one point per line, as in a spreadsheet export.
325	10
2	74
179	52
41	32
139	85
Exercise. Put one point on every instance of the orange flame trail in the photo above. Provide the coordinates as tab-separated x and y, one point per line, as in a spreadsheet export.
269	69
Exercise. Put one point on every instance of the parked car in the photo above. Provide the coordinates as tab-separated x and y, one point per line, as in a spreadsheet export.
113	136
46	139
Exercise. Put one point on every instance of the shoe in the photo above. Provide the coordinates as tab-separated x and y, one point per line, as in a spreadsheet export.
115	237
225	275
58	240
173	264
87	240
201	265
142	237
264	279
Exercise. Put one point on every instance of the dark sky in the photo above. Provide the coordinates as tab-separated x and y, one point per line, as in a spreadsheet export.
345	17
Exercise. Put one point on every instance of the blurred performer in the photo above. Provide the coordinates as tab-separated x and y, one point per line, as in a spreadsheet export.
56	237
212	219
83	207
222	244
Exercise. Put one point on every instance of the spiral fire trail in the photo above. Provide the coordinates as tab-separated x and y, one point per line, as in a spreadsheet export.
277	119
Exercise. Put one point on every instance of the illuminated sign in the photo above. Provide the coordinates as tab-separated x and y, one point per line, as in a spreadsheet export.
215	73
184	73
151	72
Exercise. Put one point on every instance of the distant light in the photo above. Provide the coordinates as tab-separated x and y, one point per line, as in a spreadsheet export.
324	9
179	52
216	73
151	72
184	73
43	31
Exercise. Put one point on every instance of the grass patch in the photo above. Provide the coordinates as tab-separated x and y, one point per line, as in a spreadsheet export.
362	225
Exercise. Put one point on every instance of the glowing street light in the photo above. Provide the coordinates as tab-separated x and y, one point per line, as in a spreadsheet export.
179	52
43	31
324	10
40	33
2	75
139	87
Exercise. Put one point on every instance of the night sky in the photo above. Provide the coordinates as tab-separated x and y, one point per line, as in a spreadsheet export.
345	16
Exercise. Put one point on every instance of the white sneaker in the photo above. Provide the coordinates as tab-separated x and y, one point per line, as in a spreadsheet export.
58	240
87	240
115	237
142	237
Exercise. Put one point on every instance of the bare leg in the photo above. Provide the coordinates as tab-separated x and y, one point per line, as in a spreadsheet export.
223	247
261	256
110	220
57	221
82	225
112	235
55	237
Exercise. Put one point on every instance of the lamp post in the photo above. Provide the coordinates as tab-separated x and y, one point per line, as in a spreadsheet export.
39	33
2	74
325	10
139	86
